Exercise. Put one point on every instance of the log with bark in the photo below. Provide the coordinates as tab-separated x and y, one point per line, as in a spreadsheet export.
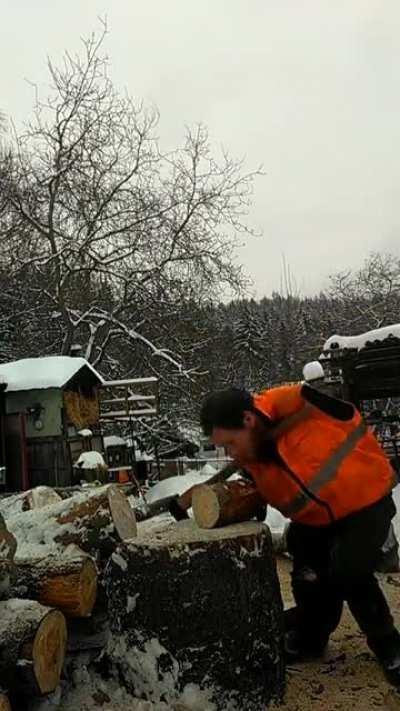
4	702
95	521
218	505
27	500
98	521
69	584
198	606
8	546
32	646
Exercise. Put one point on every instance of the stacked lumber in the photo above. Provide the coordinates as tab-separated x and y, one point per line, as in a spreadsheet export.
52	554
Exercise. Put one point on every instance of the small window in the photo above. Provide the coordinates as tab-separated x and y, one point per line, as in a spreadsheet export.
209	447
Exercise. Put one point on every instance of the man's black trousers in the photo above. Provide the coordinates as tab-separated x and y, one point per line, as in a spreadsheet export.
336	563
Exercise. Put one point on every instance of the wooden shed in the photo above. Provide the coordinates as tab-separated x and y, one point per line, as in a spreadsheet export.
48	401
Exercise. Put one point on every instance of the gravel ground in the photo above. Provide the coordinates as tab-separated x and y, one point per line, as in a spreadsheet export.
348	678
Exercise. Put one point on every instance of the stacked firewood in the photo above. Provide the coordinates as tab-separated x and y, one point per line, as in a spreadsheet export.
53	552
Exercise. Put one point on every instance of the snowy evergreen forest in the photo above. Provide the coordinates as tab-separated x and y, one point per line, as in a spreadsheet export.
114	242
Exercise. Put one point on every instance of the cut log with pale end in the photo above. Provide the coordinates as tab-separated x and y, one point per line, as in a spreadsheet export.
95	521
32	646
216	505
195	606
69	584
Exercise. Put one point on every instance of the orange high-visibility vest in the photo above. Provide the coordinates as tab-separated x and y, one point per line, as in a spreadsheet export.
326	469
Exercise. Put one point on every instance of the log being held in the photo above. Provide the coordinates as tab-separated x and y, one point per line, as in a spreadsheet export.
221	504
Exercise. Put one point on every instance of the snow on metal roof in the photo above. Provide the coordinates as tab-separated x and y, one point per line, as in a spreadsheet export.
114	441
359	342
42	373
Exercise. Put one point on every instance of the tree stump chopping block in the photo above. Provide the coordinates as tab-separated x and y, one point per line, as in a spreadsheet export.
194	606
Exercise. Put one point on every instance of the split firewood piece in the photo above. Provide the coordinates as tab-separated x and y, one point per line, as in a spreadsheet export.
218	505
33	641
4	702
69	584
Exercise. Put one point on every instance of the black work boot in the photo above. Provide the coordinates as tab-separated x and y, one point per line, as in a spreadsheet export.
298	649
387	651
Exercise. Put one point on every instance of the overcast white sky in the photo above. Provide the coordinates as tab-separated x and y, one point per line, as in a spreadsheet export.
309	88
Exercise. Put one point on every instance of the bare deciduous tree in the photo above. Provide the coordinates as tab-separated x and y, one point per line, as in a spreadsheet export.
105	222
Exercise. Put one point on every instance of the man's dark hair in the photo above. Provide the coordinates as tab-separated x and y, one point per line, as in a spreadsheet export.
225	408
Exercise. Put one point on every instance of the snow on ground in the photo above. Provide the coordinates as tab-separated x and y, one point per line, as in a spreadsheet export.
89	691
178	484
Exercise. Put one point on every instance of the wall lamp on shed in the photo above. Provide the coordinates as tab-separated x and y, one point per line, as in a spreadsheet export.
35	413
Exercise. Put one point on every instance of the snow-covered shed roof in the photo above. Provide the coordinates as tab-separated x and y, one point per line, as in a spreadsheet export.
114	441
360	341
42	373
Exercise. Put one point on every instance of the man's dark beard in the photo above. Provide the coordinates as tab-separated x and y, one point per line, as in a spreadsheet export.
265	448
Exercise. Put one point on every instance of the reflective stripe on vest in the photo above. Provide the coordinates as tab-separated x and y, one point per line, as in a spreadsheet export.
287	423
326	473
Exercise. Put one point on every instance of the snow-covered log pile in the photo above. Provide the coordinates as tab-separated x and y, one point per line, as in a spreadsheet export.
52	552
95	520
197	607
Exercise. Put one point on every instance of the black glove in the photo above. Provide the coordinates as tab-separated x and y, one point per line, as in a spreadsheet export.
177	511
261	513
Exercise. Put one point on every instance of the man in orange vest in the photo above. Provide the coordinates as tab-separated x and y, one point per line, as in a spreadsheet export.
313	458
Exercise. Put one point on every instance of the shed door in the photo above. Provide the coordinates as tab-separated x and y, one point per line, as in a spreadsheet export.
16	453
